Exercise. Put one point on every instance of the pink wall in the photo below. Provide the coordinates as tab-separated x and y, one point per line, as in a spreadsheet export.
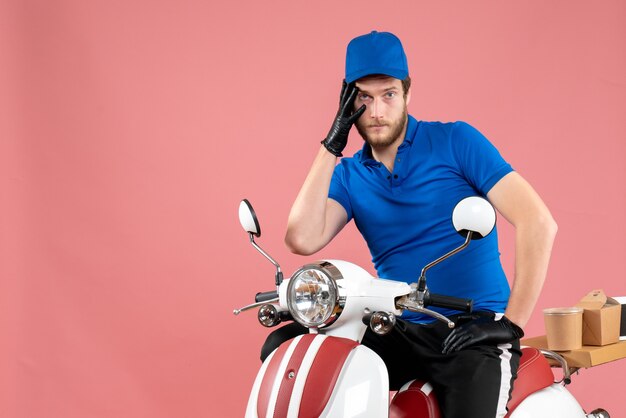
130	130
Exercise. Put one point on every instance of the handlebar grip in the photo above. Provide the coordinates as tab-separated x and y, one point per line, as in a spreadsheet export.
459	304
264	296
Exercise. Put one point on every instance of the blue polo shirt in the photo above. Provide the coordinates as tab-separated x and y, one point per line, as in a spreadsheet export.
406	216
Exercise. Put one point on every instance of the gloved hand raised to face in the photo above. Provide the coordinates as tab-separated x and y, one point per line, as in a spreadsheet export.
483	330
337	137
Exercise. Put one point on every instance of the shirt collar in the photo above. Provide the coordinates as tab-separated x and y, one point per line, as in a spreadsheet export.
411	129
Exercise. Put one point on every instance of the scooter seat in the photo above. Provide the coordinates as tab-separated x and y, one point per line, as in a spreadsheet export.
533	374
416	398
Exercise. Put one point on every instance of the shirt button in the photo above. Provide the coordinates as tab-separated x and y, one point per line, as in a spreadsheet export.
395	176
388	177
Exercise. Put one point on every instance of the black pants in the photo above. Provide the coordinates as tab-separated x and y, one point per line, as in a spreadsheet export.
475	382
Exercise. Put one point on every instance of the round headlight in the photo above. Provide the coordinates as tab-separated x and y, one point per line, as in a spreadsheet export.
313	296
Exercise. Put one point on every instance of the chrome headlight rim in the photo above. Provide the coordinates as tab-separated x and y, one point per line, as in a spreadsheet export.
332	273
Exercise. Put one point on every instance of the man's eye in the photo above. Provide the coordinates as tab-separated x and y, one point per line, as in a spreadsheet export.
363	97
391	94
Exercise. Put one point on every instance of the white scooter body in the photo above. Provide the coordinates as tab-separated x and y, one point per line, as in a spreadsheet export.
361	388
554	401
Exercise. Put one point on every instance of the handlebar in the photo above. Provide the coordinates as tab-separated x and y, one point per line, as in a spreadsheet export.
265	296
450	302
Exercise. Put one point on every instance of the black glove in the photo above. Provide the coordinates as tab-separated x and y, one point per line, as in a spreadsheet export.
337	137
484	330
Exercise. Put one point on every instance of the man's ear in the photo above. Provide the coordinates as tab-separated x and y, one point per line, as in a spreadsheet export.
408	96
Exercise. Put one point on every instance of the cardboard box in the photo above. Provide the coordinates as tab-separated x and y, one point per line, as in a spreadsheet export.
622	328
586	356
601	319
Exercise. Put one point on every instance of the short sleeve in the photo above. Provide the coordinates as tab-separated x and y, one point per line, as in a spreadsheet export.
338	190
479	161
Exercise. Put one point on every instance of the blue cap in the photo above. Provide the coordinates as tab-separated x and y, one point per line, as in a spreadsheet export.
376	53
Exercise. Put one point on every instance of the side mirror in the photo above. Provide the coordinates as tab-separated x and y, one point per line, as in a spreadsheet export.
474	214
248	219
250	223
473	218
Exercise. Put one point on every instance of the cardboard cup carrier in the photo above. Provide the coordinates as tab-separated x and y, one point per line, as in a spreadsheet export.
564	328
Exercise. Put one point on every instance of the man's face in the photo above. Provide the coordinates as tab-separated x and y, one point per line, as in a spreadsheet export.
385	117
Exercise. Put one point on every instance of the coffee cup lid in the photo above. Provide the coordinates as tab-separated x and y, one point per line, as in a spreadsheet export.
563	311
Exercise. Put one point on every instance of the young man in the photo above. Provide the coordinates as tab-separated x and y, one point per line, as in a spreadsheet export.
400	189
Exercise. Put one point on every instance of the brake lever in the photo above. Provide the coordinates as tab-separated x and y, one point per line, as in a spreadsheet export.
254	305
405	302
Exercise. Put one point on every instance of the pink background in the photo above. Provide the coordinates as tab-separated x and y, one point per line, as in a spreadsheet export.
130	130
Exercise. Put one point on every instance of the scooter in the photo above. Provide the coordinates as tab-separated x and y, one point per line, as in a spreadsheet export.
328	373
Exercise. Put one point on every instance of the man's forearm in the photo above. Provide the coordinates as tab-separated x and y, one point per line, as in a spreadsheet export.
306	226
533	247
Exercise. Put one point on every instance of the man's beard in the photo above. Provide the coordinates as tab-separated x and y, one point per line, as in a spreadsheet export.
377	140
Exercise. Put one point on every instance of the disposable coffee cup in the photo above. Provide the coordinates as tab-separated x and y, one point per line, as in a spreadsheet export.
564	328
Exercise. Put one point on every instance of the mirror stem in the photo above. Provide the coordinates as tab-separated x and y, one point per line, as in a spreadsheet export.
278	277
421	283
279	273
